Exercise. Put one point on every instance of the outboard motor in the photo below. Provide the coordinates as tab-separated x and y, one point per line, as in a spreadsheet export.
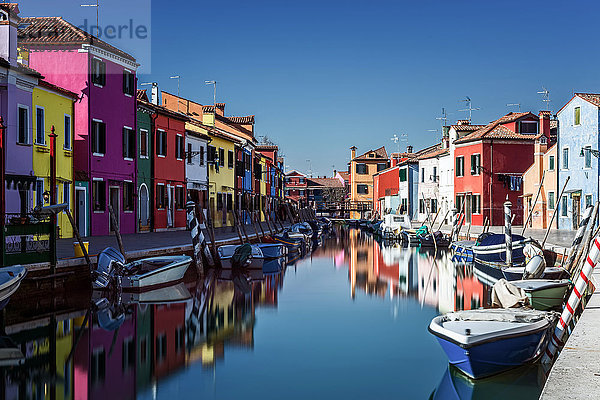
535	267
108	260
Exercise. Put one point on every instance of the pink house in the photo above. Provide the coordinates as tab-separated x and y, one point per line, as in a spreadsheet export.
105	116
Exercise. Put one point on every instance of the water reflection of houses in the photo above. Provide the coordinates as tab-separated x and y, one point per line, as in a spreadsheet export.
459	288
361	269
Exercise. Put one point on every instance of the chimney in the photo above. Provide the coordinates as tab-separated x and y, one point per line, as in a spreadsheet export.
409	149
334	173
220	109
154	93
9	19
545	123
463	122
352	152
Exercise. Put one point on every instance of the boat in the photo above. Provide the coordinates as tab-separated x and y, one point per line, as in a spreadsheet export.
441	240
482	342
227	251
490	249
325	223
410	238
10	352
462	250
293	244
516	273
393	224
272	250
154	271
10	280
544	294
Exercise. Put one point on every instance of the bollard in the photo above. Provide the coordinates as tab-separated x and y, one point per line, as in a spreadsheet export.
508	231
579	237
197	236
573	302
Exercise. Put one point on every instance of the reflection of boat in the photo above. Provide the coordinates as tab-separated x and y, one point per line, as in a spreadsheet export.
10	353
525	382
544	294
259	250
462	250
10	280
169	294
485	342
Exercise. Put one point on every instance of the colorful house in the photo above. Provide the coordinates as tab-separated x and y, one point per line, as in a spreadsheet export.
53	110
578	145
295	187
196	167
386	185
244	179
105	116
429	181
362	169
145	150
16	110
489	166
408	187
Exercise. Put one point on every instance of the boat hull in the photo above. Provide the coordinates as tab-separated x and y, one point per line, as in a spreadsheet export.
163	276
496	254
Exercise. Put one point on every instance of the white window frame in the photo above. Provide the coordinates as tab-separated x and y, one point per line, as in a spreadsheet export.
584	198
551	205
462	175
134	192
161	131
562	158
177	141
134	89
147	145
28	138
92	196
101	60
132	130
43	142
479	205
477	173
68	134
102	122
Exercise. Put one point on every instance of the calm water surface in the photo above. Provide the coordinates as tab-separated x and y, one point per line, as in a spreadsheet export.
348	321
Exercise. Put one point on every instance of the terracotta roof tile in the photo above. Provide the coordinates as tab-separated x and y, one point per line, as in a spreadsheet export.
245	120
495	130
49	31
141	94
466	128
379	154
593	98
12	8
325	182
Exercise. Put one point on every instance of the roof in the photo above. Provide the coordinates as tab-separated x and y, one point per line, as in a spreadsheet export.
344	175
593	98
141	94
161	109
466	128
48	31
57	89
435	153
294	172
12	8
325	182
266	147
380	153
496	130
246	120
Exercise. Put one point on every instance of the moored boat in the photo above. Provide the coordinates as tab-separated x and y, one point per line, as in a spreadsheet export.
153	272
10	280
485	342
227	251
544	294
491	249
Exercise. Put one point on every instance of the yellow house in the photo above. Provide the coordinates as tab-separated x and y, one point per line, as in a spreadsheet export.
362	169
263	187
53	107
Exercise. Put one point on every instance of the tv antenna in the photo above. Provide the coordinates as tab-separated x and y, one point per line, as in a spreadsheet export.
443	118
310	172
545	97
469	108
514	105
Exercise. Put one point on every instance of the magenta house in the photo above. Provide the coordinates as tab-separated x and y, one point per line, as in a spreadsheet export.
105	116
16	87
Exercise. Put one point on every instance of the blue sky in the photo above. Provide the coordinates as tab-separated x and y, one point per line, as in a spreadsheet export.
321	76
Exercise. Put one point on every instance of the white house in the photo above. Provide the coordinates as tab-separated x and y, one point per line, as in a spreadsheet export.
196	171
429	181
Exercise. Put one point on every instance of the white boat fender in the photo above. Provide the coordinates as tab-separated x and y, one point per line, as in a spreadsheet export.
535	267
532	249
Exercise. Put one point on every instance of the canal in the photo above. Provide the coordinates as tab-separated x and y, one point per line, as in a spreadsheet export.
347	321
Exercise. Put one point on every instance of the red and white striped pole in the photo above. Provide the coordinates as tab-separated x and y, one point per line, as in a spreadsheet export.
573	302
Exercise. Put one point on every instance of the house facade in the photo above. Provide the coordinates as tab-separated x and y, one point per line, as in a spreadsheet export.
362	169
196	168
105	114
578	143
429	182
408	187
145	151
296	187
489	164
386	185
542	172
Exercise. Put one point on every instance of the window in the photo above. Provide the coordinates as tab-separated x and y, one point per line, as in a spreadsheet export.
565	158
23	128
257	171
39	192
475	164
161	143
530	127
98	72
434	177
143	143
161	347
404	205
67	145
179	147
551	200
98	138
361	169
551	163
201	155
229	202
179	339
362	189
161	193
421	206
577	116
99	195
40	134
128	354
460	166
433	203
402	173
563	210
189	153
128	82
128	143
128	196
381	166
221	157
98	369
67	193
179	198
422	175
219	201
230	159
212	154
476	204
588	200
587	154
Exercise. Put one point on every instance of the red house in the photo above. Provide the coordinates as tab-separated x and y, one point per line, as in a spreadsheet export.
385	183
295	187
168	169
489	164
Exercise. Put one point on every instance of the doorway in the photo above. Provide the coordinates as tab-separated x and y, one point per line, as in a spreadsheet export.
144	208
468	207
80	210
576	198
170	206
114	203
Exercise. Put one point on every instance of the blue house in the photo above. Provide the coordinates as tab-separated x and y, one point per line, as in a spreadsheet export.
578	142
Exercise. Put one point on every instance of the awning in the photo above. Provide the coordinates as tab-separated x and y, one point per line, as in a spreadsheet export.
571	191
16	182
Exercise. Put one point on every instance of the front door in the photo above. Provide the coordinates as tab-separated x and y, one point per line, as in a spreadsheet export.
144	206
170	206
576	209
114	202
80	208
468	209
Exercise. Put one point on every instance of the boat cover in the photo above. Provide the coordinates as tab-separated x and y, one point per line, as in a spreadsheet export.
498	238
507	295
531	285
519	315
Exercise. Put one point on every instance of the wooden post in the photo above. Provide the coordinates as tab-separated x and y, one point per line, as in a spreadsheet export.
78	236
257	218
197	236
237	226
243	226
211	232
508	231
253	225
289	213
115	223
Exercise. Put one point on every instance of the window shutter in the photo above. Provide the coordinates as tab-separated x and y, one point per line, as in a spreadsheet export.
125	82
164	140
102	138
125	143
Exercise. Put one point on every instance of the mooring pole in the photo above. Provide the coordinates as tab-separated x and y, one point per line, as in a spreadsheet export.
508	231
197	236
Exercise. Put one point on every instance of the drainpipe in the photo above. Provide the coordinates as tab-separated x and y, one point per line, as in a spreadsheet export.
491	182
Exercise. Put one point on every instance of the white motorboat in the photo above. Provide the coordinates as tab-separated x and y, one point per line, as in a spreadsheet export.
154	271
10	280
